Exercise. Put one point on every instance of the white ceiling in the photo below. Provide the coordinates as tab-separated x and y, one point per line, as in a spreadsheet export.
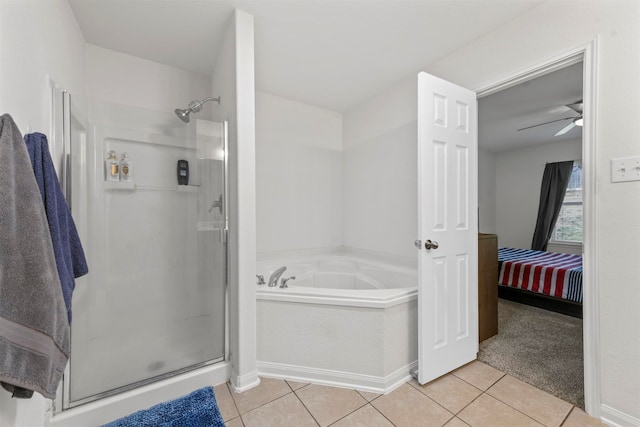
536	101
331	54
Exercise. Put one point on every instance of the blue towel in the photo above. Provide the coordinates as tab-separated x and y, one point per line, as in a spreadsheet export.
70	259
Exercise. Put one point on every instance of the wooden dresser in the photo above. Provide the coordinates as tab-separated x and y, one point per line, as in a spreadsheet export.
487	285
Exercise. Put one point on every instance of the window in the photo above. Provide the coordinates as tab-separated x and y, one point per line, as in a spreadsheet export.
569	225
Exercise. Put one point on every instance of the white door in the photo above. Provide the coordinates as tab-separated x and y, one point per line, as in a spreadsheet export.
447	227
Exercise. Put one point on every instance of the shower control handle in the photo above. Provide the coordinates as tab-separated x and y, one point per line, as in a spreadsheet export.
217	204
428	244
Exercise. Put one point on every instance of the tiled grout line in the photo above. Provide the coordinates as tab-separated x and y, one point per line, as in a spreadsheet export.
355	410
305	406
419	391
438	403
302	402
433	400
492	384
505	374
374	408
366	404
501	401
505	403
516	409
564	420
478	396
280	397
266	403
352	412
286	394
455	415
567	416
234	403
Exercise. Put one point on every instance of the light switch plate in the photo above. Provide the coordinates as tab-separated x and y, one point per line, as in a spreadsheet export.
627	169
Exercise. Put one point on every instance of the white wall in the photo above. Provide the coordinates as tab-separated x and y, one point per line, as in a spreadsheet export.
234	80
487	192
38	41
518	178
299	176
326	179
536	36
380	169
125	79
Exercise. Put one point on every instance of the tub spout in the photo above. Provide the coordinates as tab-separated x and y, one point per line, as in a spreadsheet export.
273	280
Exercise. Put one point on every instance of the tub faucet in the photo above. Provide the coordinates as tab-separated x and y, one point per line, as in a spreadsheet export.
283	282
273	280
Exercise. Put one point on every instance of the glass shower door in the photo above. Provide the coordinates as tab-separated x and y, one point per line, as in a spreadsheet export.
153	304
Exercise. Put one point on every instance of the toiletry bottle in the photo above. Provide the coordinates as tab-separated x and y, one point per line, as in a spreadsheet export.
112	168
125	168
183	172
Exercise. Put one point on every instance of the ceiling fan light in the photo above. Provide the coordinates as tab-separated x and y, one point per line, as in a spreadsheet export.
579	121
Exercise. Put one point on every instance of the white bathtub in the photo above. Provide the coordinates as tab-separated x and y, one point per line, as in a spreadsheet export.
344	321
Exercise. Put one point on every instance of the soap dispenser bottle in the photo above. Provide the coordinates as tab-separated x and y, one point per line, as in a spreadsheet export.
125	168
112	167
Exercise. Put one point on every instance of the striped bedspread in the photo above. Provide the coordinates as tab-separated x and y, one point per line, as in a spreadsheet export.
549	273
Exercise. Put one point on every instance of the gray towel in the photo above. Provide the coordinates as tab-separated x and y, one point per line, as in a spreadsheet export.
34	330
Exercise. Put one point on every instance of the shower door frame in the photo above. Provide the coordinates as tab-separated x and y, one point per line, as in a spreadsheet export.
62	151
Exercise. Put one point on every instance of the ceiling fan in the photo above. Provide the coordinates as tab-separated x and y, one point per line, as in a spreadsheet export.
575	121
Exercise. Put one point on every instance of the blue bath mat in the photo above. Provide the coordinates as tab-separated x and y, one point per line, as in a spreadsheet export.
198	409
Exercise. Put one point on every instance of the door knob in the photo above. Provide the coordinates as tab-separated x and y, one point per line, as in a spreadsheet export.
428	244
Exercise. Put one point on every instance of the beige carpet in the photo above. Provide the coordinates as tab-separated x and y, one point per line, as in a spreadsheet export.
539	347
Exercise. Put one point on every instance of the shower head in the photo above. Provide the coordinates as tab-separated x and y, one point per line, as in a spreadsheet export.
194	107
183	114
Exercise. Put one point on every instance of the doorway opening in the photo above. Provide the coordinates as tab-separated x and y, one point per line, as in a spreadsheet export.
576	146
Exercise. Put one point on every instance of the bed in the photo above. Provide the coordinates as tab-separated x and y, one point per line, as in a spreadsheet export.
548	280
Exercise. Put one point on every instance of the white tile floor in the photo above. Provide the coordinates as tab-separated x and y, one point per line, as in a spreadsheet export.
474	395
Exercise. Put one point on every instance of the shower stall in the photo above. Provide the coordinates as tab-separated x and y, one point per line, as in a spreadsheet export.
154	302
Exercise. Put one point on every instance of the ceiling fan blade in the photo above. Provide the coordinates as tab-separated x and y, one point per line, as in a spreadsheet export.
546	123
565	129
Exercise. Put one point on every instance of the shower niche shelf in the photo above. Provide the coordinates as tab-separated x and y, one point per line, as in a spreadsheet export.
188	188
132	186
209	226
120	186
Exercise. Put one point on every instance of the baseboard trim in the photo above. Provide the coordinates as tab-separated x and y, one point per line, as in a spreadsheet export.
240	383
617	418
340	379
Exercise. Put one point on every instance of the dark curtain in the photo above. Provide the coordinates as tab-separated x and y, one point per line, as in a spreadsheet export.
554	186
